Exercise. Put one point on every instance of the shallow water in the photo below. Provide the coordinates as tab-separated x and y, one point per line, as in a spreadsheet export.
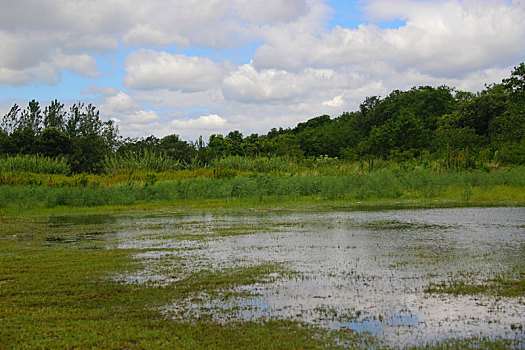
360	271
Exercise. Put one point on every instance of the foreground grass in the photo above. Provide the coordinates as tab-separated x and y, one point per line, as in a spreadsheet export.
61	298
54	295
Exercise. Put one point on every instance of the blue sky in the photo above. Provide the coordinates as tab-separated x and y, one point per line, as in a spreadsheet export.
197	68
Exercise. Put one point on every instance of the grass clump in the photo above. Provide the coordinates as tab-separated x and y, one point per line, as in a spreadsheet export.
471	343
498	286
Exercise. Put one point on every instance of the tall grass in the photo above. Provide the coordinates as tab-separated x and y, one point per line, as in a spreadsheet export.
146	160
258	164
459	186
324	166
34	164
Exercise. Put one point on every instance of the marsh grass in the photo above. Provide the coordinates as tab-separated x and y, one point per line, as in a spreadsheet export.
34	164
498	286
147	160
124	176
383	185
471	343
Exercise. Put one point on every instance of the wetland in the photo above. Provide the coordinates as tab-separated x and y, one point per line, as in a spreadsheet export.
392	278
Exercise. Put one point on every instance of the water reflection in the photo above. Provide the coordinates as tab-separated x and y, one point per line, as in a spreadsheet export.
360	271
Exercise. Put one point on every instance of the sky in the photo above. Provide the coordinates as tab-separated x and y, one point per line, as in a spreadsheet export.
199	67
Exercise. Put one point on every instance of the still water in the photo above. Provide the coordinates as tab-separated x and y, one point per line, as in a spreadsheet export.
362	271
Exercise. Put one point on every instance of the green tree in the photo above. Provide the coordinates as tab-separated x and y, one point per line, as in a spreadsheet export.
88	154
515	84
5	143
55	116
53	142
176	148
23	141
138	146
10	120
456	139
251	145
217	146
476	113
31	117
287	145
84	121
403	132
233	143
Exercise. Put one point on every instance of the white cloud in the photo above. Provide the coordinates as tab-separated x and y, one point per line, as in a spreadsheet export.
33	31
262	12
14	77
123	108
205	122
141	117
148	69
335	102
83	65
119	103
441	38
209	23
289	45
146	35
272	85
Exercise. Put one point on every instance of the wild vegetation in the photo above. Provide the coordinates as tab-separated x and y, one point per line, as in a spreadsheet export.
35	191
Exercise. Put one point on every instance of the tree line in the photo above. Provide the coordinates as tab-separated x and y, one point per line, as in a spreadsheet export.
441	122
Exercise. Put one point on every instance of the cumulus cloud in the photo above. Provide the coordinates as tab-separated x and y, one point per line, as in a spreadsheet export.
148	69
123	108
38	39
272	85
119	103
83	65
441	38
209	23
205	122
335	102
141	117
33	31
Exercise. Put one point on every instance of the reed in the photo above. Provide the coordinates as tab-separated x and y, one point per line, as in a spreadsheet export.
380	185
147	160
35	164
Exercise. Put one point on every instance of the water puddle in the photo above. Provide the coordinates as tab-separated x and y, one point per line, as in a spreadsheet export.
357	271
